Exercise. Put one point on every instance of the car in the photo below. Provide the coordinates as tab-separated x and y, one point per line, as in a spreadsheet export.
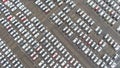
102	64
44	65
38	48
99	49
12	57
64	50
75	63
107	59
52	63
118	29
52	51
13	8
60	2
4	49
56	65
110	62
113	65
5	64
116	56
87	51
63	63
84	48
98	30
50	48
44	54
90	41
67	54
62	15
47	57
96	47
8	51
61	59
66	9
95	59
90	53
93	56
49	60
84	36
61	48
41	62
41	51
58	57
99	62
72	60
69	57
3	61
109	39
117	47
59	45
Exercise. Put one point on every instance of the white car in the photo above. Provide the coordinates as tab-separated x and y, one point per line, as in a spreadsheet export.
61	48
52	63
99	62
96	59
87	51
59	45
44	54
118	29
90	53
47	57
49	60
58	57
52	51
93	56
41	62
63	63
69	57
41	51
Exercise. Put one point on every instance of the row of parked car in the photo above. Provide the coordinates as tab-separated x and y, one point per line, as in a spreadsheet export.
109	60
44	7
28	24
50	41
89	20
52	51
114	4
109	10
49	55
113	13
10	5
112	42
42	29
59	2
42	64
48	5
101	12
24	45
70	3
22	42
70	28
73	28
87	51
29	50
16	4
7	58
105	62
62	59
85	16
35	49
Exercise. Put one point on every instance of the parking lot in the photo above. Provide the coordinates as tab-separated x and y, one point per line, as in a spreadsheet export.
59	33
